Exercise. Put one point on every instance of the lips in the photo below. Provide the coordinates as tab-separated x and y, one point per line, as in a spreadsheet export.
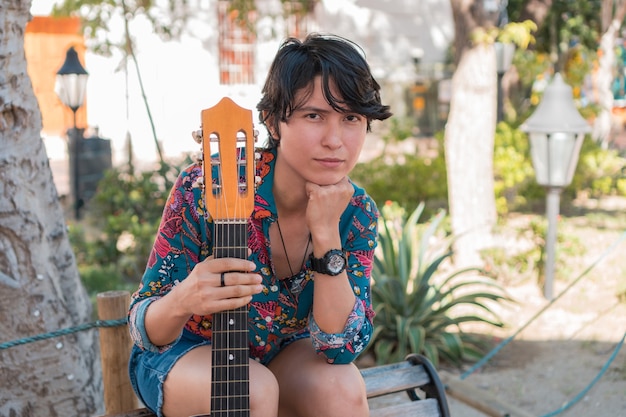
329	162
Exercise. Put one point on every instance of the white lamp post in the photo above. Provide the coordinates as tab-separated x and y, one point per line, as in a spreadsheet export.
556	131
71	84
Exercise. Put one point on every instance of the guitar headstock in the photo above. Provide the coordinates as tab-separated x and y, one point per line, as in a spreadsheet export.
229	162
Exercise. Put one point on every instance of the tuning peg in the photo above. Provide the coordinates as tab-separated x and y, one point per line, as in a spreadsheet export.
197	135
256	135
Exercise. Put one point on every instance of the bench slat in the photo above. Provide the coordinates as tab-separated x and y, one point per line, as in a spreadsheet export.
387	379
422	408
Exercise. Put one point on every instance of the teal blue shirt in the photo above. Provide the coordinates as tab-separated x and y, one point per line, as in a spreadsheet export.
282	312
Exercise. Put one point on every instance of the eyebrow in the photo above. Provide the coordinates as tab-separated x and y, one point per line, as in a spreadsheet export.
311	109
315	109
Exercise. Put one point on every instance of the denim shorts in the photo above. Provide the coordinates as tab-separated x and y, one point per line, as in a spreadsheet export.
148	370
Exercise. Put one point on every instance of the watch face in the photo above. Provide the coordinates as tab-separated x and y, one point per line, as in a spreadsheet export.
332	263
336	263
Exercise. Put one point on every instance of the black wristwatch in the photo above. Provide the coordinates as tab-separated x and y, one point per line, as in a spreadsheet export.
332	263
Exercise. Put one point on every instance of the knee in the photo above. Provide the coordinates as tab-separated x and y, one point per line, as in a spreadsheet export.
263	392
342	387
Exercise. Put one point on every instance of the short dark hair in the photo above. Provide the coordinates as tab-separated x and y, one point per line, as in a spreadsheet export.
336	60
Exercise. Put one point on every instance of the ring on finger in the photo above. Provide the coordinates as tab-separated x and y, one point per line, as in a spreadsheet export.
222	283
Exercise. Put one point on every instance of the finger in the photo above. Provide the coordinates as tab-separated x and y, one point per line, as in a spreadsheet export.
239	291
231	303
216	265
235	278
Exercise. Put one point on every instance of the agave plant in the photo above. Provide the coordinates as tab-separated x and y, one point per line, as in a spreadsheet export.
419	306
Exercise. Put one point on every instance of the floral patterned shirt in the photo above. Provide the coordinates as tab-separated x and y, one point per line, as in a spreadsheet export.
282	312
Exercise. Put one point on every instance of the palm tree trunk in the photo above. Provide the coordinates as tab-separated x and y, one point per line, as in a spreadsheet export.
40	289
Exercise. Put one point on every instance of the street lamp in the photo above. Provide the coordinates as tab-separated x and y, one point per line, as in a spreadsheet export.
504	59
71	83
556	131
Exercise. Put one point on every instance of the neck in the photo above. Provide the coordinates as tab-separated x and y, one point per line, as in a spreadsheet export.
288	189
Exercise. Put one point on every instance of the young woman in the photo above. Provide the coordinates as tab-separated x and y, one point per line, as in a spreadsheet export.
311	238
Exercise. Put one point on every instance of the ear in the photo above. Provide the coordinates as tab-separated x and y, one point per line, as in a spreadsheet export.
269	124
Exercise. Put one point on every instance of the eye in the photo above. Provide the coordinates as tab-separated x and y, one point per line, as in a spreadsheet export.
354	117
312	116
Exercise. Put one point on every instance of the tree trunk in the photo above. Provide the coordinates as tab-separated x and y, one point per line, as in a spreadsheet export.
603	123
469	142
40	290
536	10
469	136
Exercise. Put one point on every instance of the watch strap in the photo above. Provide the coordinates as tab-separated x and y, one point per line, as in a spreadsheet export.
332	263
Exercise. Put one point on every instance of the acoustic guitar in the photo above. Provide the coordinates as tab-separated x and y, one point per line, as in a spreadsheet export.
229	173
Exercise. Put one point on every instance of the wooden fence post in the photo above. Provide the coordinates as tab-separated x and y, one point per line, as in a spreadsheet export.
115	346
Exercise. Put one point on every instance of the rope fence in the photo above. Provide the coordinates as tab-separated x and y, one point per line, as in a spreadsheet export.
115	347
64	332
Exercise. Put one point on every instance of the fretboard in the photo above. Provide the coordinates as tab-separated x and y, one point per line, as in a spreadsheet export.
230	371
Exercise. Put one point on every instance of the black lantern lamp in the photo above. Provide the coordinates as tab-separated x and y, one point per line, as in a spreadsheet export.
71	84
504	59
556	131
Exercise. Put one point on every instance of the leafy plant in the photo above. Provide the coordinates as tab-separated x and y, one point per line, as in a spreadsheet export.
113	242
405	178
514	177
600	172
420	308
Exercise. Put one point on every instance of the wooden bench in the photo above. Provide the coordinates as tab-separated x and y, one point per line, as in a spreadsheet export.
416	377
411	388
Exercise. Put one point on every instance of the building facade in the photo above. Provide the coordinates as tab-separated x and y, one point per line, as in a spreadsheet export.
404	40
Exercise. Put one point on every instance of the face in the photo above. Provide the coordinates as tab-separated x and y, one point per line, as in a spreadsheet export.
318	143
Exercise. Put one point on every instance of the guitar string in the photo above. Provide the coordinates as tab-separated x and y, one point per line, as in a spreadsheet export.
229	236
231	229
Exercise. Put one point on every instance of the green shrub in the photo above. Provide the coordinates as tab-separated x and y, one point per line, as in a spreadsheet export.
514	176
113	242
600	172
407	179
420	308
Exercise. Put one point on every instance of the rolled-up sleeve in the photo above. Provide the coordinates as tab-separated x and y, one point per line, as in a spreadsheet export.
341	348
136	319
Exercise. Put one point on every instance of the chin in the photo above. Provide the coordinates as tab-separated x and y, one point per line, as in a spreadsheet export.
327	181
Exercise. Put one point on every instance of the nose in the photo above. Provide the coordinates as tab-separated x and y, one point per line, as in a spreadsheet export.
333	135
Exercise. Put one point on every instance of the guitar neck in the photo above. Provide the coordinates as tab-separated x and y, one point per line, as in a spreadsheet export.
229	195
230	370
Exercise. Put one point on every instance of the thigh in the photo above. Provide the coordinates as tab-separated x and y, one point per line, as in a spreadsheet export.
187	388
310	386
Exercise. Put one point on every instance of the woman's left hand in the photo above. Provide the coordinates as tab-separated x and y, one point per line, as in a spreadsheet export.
325	206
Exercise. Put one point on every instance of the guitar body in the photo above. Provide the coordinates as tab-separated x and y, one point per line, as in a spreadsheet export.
229	173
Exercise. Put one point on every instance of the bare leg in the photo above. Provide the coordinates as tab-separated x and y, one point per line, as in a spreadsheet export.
187	389
310	386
